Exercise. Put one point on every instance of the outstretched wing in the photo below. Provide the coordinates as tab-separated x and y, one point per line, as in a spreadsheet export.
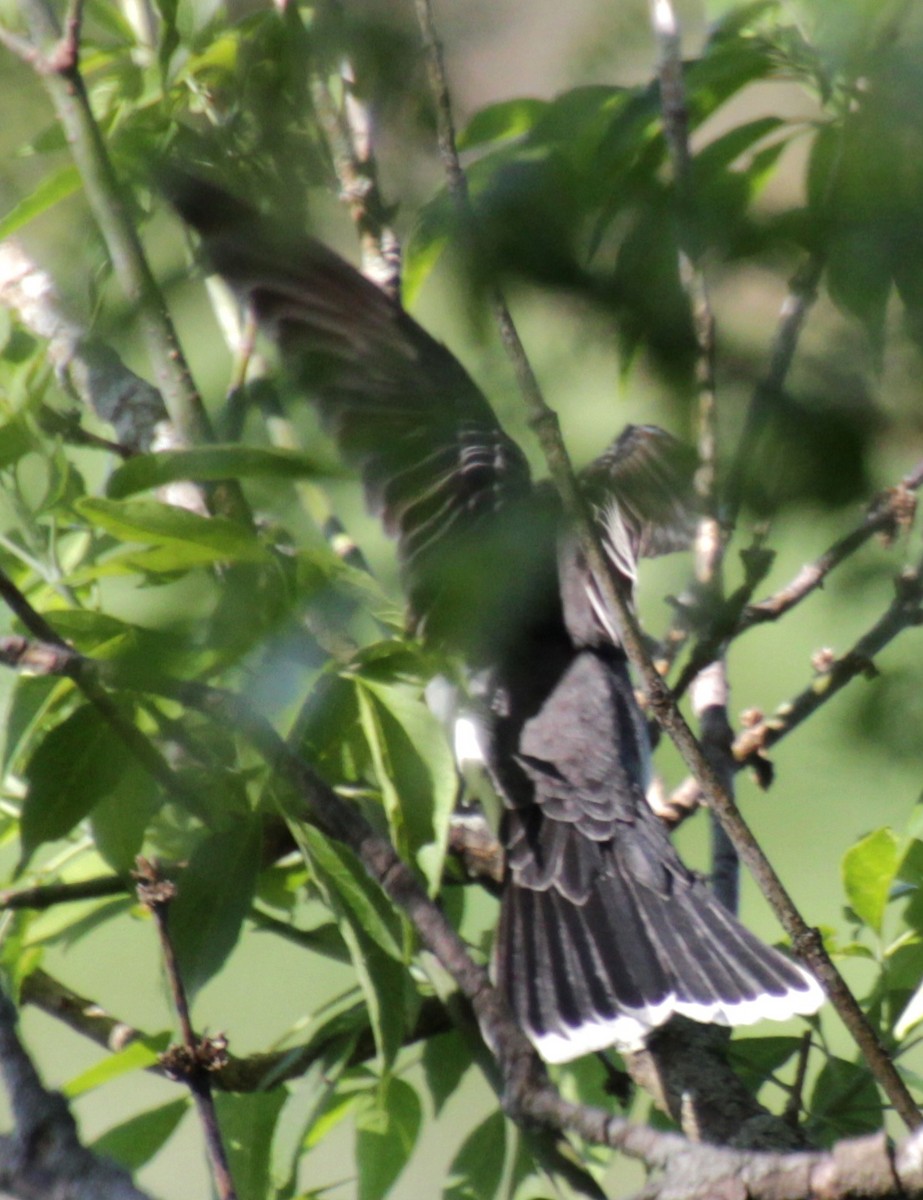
641	495
439	470
641	492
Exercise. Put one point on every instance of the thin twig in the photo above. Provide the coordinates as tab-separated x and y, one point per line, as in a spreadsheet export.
194	1061
47	895
888	513
904	612
806	942
711	689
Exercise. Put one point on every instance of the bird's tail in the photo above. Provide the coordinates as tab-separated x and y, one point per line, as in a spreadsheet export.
606	971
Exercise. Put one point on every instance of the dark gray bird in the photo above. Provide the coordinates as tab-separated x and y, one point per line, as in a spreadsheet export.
604	933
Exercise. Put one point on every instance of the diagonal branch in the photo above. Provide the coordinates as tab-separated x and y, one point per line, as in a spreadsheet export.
806	942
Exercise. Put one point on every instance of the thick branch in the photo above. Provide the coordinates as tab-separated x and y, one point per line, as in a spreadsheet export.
44	1157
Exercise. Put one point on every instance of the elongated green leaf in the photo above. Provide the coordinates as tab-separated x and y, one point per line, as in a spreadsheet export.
248	1123
869	869
497	122
372	933
135	1057
137	1140
120	819
15	441
215	892
52	189
416	771
386	1133
210	463
356	891
477	1169
76	765
152	523
33	697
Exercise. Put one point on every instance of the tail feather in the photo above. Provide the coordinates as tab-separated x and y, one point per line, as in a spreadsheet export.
581	977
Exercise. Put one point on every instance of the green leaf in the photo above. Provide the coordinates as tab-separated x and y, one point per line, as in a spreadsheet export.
372	932
135	1142
207	463
724	150
248	1123
214	897
52	189
386	1133
142	1053
204	539
76	765
844	1103
476	1172
120	819
15	441
499	122
343	873
446	1058
33	698
869	868
860	274
428	239
756	1058
416	771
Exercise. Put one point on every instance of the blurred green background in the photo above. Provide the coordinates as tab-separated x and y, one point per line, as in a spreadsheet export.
855	767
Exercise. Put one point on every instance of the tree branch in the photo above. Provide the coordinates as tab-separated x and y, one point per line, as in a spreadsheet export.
44	1157
194	1061
806	942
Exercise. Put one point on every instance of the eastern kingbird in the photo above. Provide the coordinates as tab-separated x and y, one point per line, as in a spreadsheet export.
604	933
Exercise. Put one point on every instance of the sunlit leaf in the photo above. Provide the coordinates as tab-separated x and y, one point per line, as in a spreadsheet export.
497	122
364	899
207	463
416	771
164	525
869	868
247	1125
49	192
142	1053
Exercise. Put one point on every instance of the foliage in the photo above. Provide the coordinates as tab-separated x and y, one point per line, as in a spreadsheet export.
573	194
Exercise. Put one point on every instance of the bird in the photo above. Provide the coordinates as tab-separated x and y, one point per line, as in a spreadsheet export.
604	934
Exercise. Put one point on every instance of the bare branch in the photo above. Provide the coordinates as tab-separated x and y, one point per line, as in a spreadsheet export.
904	612
888	513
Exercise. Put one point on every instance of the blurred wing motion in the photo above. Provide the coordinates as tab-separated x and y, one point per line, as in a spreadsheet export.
604	933
437	467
